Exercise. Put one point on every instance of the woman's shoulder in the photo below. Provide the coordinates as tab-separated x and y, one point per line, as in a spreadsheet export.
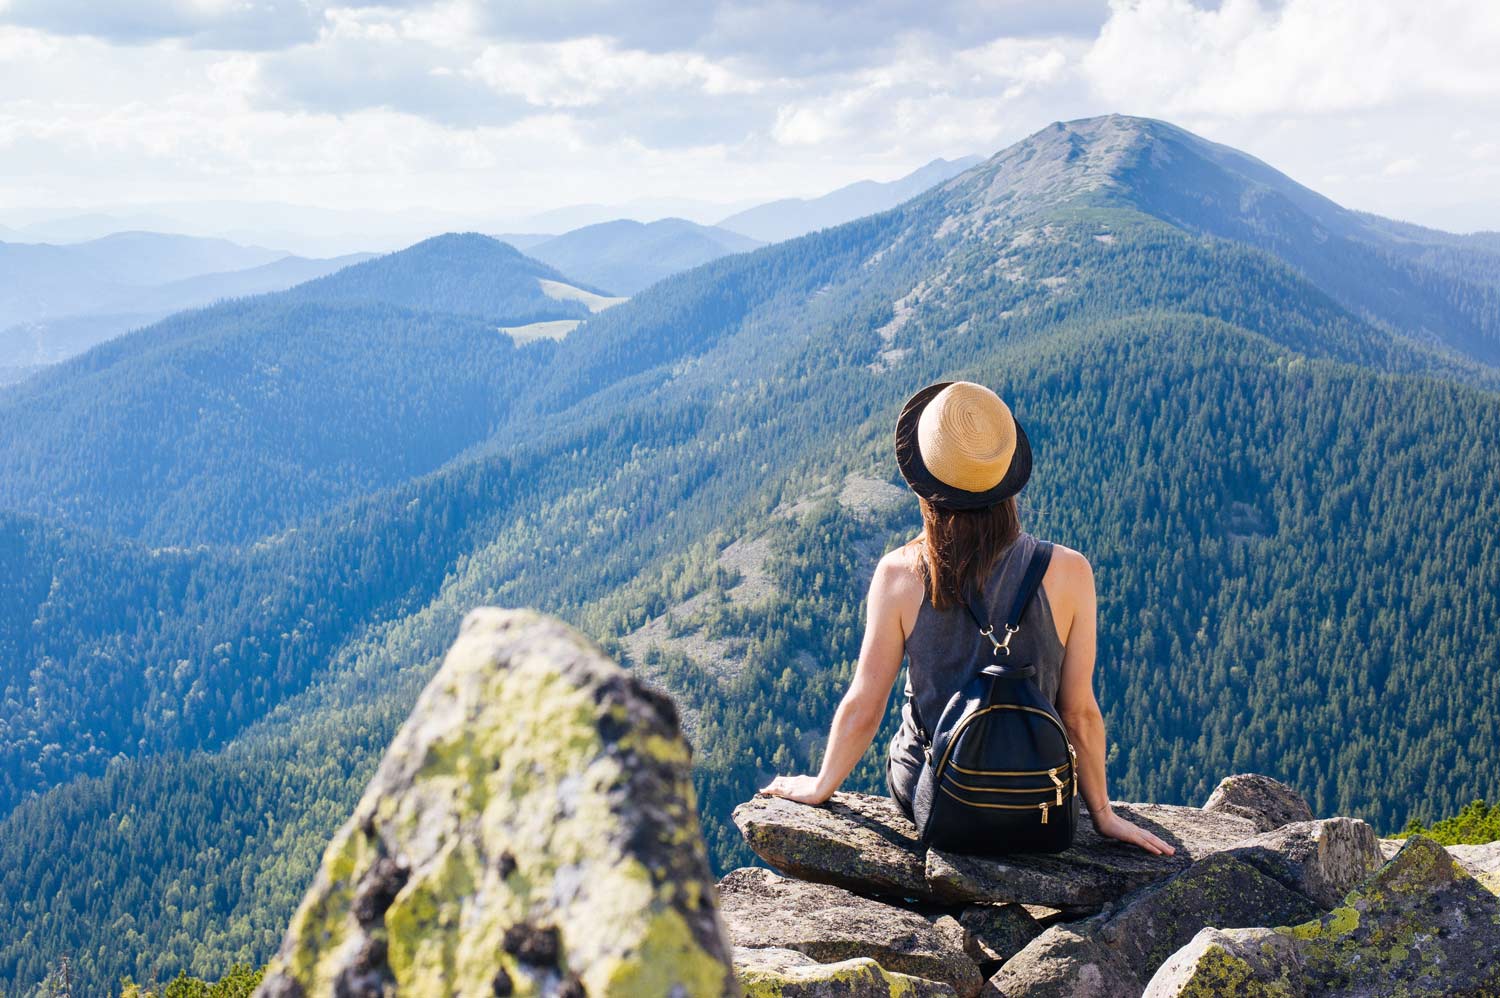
1069	579
900	570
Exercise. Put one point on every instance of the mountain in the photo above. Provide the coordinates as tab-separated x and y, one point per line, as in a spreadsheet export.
626	256
305	399
467	274
792	217
1288	496
48	339
40	281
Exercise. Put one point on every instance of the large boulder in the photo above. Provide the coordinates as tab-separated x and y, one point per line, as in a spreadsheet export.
867	845
1322	859
1220	891
858	841
1267	802
1095	870
830	924
1243	963
1064	962
531	830
784	973
1421	925
1482	862
1116	951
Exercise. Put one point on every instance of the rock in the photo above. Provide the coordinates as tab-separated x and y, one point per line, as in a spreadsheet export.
1126	943
858	841
951	931
1219	890
1267	802
1322	859
783	973
830	924
998	931
1095	870
865	844
1420	926
531	829
1482	862
1065	963
1247	963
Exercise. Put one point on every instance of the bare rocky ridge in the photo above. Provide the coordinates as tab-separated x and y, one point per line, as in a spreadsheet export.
532	830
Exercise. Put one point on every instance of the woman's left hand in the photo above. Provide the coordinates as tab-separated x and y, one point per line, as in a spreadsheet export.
802	789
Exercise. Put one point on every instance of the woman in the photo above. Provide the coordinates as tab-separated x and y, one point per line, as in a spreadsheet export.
964	455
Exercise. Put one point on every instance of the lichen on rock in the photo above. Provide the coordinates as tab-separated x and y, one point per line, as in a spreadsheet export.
531	830
782	973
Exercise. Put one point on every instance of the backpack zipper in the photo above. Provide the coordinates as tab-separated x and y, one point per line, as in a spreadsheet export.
1044	806
943	763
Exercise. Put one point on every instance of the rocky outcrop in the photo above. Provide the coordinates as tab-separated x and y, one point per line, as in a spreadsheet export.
1421	925
1268	803
1204	921
829	844
531	830
829	924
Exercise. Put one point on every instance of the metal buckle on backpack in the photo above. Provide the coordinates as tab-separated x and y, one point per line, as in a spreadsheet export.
1000	646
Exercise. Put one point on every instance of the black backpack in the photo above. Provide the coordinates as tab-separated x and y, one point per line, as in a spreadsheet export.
1001	775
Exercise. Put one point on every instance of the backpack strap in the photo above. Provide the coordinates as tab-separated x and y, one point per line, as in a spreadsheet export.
1030	582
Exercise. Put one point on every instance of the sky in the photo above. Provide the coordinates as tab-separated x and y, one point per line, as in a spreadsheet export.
504	109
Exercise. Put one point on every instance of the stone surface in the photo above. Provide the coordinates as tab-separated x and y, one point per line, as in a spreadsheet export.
1267	802
830	924
531	830
1238	963
1065	963
1322	859
1118	949
1095	870
1420	926
1482	862
782	973
858	841
1220	891
998	931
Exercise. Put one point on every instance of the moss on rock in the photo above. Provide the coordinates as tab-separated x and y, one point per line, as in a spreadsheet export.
531	830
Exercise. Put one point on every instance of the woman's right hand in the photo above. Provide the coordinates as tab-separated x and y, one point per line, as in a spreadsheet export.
1112	826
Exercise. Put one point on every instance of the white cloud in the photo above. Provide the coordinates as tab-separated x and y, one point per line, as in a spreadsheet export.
1299	57
470	104
583	72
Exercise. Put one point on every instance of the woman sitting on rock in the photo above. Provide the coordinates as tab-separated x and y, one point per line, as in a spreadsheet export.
964	455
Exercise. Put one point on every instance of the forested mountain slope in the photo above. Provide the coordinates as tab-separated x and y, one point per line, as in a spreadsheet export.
1289	505
463	273
232	422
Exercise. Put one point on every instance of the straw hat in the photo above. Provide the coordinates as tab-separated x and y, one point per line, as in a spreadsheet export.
959	447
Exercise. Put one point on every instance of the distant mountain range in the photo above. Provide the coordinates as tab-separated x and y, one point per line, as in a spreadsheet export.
626	256
237	542
57	301
792	217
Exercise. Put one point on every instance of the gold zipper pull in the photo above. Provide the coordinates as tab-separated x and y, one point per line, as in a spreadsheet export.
1059	784
1044	807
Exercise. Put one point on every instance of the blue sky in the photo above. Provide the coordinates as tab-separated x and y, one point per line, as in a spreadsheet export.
1384	105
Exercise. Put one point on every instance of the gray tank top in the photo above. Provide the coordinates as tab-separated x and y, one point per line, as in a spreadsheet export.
945	650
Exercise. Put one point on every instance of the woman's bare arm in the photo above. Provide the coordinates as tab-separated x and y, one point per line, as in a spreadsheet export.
860	712
1078	706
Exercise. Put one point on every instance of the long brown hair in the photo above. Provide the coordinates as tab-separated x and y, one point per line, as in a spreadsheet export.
960	546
